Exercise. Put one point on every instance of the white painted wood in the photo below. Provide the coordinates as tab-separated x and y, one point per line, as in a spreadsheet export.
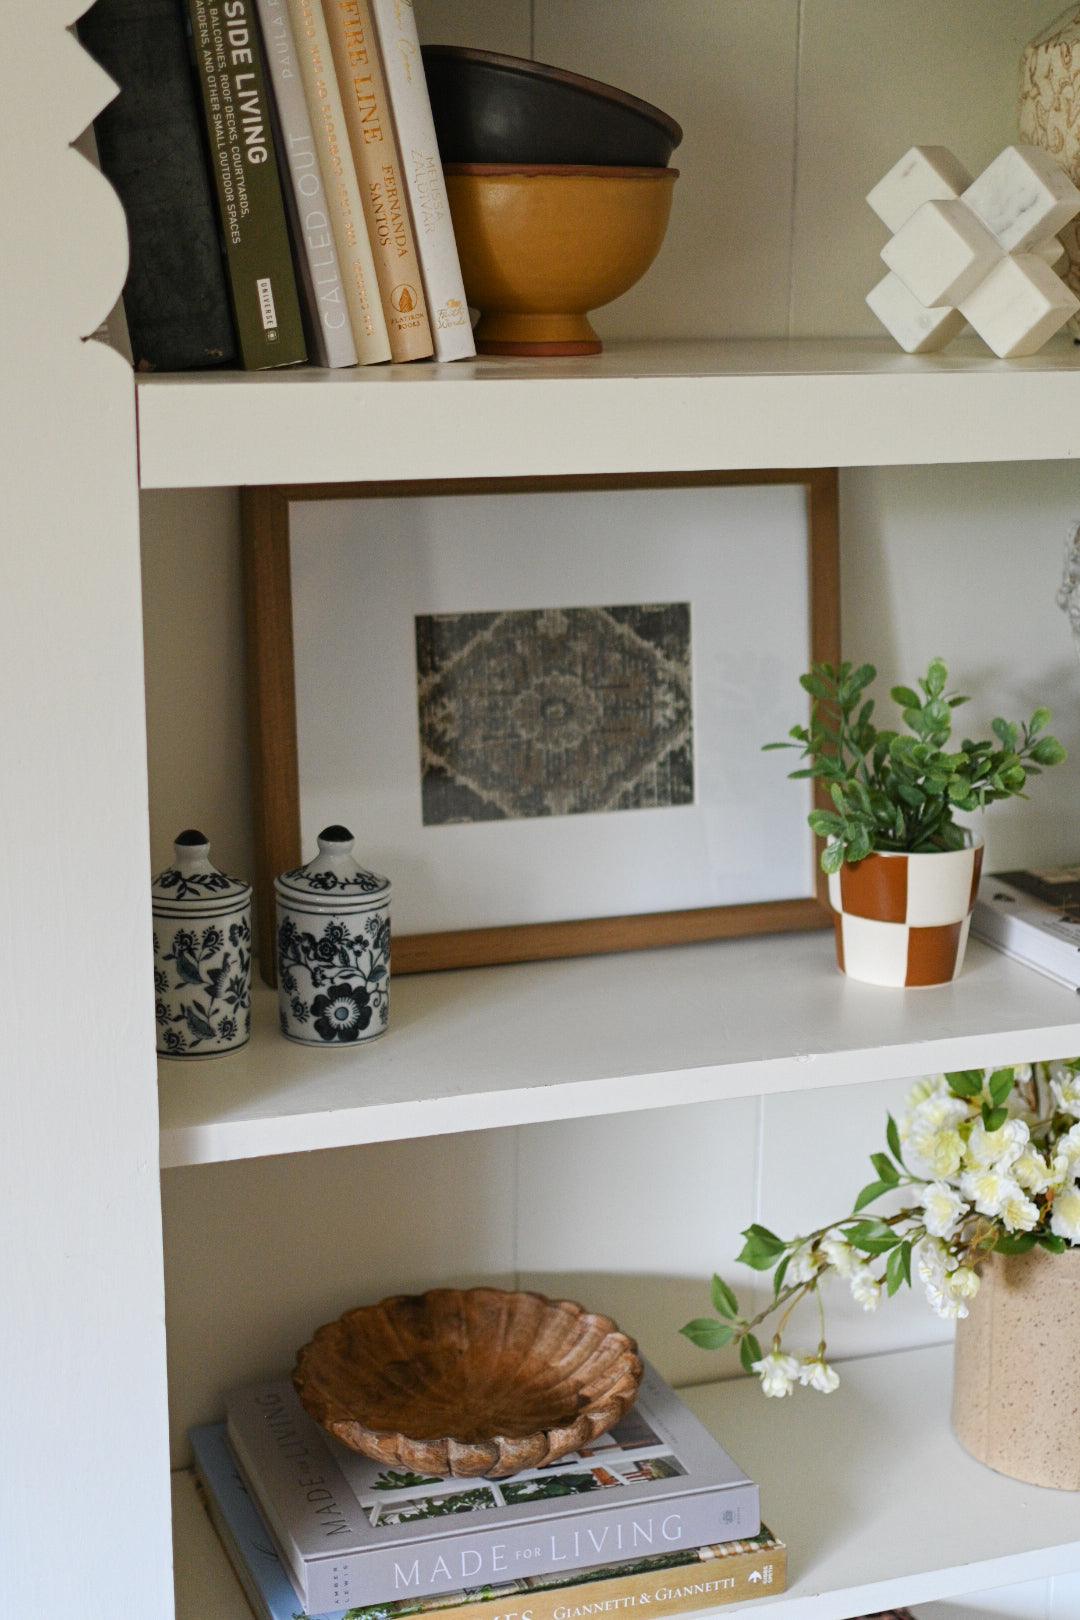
1028	1601
81	1349
639	407
600	1035
845	1481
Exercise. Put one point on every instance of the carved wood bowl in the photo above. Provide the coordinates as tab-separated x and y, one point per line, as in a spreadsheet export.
468	1383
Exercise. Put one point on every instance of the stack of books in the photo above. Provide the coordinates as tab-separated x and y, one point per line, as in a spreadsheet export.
653	1515
278	166
1034	917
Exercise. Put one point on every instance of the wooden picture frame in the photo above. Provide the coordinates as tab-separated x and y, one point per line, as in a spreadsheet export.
273	723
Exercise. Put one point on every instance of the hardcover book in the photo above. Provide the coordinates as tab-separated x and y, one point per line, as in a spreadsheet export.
355	48
328	324
232	81
150	147
421	165
348	1526
339	177
1034	917
666	1584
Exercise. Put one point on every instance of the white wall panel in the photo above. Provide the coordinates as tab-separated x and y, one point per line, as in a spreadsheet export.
1032	1600
260	1252
726	72
505	26
633	1215
876	77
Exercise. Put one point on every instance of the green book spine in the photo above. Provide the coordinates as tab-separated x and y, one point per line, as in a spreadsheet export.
235	97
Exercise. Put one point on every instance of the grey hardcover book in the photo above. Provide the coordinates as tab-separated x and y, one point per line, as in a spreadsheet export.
354	1531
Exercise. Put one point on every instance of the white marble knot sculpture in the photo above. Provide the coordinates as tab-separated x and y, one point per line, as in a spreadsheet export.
981	251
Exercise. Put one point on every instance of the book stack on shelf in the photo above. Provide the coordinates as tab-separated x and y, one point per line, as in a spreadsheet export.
653	1514
278	166
1034	917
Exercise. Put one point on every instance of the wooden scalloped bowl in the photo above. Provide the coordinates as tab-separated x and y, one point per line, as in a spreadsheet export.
468	1383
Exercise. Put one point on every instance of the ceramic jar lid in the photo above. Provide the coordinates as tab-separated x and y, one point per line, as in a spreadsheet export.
193	884
334	880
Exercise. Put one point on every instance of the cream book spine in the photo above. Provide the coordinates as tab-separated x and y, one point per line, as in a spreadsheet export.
425	186
355	48
339	177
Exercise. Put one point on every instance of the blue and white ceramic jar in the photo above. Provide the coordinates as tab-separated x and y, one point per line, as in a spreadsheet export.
333	947
202	954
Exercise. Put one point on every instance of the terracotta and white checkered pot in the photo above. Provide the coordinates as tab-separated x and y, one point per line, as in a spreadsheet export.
903	919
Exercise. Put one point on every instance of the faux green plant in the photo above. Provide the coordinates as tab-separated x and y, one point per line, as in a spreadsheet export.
896	790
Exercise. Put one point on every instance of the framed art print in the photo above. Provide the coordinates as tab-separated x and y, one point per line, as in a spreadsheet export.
541	706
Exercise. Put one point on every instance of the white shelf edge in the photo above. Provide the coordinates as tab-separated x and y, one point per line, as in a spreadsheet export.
652	407
479	1050
845	1485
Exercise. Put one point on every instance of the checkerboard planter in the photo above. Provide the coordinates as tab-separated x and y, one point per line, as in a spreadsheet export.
903	920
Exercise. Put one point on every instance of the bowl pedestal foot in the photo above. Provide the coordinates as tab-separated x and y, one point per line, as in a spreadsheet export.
503	332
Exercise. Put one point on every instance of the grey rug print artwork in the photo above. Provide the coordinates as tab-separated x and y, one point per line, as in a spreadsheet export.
554	711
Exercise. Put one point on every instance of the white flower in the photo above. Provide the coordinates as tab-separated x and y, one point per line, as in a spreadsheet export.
1022	1073
932	1135
778	1373
1032	1171
1065	1085
999	1149
1067	1147
944	1209
989	1190
948	1308
865	1289
931	1085
930	1261
1065	1220
803	1266
963	1283
1019	1213
844	1260
816	1373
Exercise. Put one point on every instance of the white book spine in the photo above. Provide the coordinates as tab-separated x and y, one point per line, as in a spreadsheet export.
339	178
305	194
410	107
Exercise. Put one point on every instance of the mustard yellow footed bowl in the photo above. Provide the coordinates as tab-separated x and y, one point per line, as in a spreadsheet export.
543	244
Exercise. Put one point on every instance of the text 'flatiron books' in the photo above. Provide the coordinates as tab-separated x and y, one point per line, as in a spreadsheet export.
347	1526
666	1584
1034	917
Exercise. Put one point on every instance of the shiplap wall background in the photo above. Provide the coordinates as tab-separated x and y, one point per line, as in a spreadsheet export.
791	111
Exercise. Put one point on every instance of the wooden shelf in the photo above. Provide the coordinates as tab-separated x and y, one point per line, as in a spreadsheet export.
604	1035
845	1481
656	407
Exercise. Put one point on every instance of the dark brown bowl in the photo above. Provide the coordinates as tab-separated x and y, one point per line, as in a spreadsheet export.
490	108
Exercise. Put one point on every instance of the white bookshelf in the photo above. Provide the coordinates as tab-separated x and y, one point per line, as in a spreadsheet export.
639	407
877	1502
604	1035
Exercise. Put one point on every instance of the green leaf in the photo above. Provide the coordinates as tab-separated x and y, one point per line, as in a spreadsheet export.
1007	734
779	1274
813	683
885	1167
707	1334
966	1082
906	698
898	1269
724	1301
1000	1085
892	1136
873	1189
936	676
994	1118
832	858
749	1352
1048	751
762	1248
1039	721
1015	1242
872	1237
1051	1241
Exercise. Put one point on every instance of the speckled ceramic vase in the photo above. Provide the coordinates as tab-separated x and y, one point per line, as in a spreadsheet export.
202	954
1015	1402
333	947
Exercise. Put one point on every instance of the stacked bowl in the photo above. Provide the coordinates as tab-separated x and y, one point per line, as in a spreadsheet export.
559	190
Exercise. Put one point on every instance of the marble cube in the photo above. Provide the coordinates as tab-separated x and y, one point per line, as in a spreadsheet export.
942	252
1019	306
1022	197
923	174
917	329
